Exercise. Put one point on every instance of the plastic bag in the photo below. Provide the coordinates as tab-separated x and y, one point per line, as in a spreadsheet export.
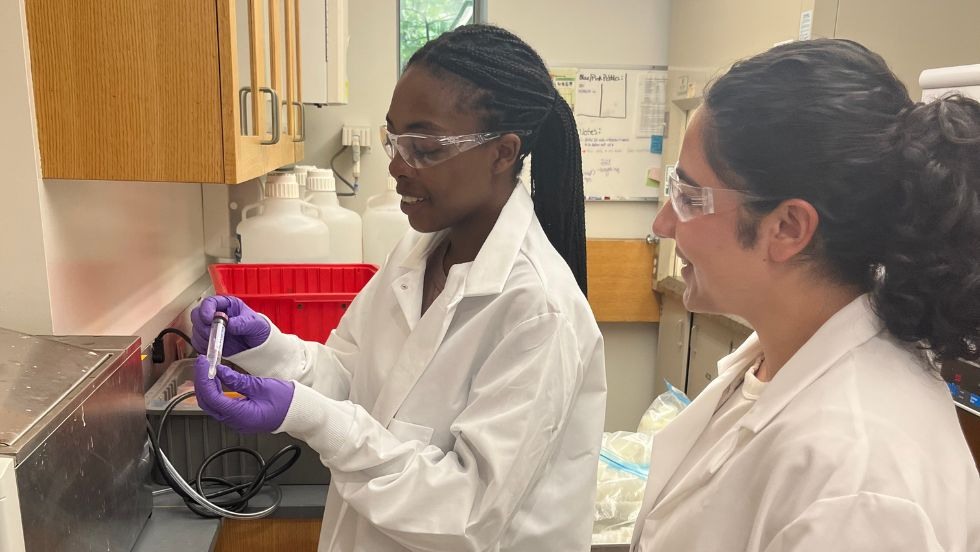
624	462
665	408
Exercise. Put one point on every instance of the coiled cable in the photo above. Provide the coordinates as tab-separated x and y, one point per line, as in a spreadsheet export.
197	499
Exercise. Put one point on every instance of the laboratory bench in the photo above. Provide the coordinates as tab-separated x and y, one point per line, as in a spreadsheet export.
294	526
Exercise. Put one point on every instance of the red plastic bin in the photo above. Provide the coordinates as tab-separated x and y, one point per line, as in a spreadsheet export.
303	299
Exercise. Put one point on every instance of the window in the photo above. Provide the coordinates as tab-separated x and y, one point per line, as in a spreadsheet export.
419	21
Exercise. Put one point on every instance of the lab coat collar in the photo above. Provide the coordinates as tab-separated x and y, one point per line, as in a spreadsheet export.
850	327
853	325
419	255
489	271
493	263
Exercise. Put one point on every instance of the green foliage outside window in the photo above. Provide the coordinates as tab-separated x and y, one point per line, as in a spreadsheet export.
423	20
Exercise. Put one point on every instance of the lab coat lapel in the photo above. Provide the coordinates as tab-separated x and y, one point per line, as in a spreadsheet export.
407	287
847	329
672	443
850	327
419	348
407	290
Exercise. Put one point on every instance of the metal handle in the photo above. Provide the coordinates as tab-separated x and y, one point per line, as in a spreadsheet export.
275	116
301	135
243	93
694	333
652	239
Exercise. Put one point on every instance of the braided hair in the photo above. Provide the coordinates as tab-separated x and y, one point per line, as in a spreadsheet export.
508	83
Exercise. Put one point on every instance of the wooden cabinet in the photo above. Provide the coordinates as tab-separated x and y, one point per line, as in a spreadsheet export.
269	535
620	275
672	344
166	90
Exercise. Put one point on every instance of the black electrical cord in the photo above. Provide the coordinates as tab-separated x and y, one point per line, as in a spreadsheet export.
353	187
246	491
177	332
157	354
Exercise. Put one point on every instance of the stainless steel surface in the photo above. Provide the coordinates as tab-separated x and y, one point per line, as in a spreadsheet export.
276	129
35	374
80	468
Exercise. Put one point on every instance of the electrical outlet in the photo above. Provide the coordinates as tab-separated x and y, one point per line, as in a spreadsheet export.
362	132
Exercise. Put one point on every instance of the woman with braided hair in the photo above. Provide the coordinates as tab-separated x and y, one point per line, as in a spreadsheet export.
816	200
459	404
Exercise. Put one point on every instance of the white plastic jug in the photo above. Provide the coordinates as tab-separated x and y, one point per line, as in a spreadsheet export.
286	229
345	225
384	224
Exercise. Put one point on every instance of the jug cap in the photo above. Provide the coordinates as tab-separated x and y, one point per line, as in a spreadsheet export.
321	180
302	172
281	186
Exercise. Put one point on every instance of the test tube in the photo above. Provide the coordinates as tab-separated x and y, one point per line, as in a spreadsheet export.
216	342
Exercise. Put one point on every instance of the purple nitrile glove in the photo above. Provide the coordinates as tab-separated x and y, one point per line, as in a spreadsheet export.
261	411
246	329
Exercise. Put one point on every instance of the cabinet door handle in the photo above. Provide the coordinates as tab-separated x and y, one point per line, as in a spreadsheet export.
301	135
680	334
275	116
694	333
243	93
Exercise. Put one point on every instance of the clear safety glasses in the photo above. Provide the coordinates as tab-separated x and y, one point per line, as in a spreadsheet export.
691	201
422	151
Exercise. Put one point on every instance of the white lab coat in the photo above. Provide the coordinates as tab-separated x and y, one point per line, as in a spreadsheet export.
852	446
474	427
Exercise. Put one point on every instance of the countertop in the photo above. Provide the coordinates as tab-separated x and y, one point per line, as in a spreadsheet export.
174	528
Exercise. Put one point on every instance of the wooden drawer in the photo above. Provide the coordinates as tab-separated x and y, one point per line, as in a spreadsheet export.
621	280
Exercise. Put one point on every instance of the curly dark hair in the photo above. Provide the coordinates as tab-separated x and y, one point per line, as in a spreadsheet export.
896	183
507	83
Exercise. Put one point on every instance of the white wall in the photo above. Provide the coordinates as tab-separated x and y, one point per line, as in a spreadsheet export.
117	252
83	257
373	71
23	278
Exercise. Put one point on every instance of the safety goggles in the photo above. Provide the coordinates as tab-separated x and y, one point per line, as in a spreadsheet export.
421	151
690	201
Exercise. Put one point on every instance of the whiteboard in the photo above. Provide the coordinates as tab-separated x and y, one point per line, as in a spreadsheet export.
620	117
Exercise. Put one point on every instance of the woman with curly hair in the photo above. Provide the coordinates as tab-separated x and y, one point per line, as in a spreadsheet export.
814	199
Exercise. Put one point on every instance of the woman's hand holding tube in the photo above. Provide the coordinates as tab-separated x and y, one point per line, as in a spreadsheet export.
246	328
263	408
